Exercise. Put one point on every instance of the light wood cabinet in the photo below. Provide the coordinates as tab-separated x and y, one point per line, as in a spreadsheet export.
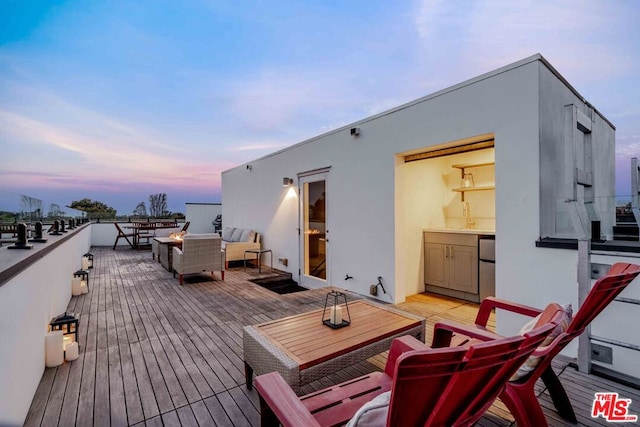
451	261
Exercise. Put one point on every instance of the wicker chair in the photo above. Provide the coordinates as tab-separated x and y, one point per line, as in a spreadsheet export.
200	252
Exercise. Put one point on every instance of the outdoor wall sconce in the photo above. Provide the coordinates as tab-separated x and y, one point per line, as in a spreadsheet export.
249	167
287	182
355	131
38	234
335	319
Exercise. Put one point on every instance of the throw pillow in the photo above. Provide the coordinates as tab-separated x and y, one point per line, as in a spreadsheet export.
245	235
227	233
372	413
533	361
237	233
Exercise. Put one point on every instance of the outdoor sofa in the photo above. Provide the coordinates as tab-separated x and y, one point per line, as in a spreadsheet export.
237	240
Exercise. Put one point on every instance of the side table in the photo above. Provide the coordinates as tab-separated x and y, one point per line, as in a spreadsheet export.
165	250
258	253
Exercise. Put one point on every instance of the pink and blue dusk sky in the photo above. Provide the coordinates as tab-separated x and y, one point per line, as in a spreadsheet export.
116	100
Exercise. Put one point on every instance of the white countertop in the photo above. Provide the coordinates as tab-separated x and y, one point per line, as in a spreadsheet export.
461	230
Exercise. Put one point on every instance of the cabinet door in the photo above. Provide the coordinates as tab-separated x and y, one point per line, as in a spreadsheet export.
463	275
435	264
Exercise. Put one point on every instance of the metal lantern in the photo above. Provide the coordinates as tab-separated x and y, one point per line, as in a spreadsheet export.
335	319
83	275
67	319
89	256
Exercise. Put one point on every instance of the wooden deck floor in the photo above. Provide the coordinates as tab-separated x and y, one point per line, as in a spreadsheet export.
156	353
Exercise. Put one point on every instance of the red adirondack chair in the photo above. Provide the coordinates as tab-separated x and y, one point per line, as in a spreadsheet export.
431	387
519	396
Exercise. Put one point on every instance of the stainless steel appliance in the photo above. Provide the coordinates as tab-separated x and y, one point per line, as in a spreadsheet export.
487	266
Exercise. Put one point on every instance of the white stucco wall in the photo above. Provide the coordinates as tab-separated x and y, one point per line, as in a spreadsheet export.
611	327
378	205
28	301
537	276
105	233
369	237
201	215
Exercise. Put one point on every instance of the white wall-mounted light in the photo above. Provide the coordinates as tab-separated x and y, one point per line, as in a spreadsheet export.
287	182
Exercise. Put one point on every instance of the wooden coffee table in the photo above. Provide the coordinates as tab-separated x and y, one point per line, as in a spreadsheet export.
302	349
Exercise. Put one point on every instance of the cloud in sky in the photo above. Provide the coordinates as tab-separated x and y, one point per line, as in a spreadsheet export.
122	99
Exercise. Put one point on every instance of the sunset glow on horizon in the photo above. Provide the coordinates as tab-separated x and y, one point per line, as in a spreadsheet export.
118	100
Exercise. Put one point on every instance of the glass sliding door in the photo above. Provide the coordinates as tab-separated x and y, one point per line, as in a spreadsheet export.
313	235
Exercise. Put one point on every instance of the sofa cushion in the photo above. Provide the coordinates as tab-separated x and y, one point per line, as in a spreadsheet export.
227	233
248	235
237	234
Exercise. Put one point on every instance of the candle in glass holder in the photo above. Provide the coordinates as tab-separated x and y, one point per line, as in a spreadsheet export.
71	352
84	289
85	263
336	315
75	286
54	349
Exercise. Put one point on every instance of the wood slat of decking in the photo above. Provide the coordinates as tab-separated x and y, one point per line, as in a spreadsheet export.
156	353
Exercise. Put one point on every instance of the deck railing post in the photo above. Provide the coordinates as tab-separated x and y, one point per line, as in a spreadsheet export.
584	286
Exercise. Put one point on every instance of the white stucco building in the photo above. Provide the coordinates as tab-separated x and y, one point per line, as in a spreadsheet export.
362	196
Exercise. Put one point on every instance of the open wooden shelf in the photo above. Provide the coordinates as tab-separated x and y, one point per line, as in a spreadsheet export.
465	190
472	165
462	167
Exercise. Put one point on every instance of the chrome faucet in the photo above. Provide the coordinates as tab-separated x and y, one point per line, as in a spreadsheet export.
466	212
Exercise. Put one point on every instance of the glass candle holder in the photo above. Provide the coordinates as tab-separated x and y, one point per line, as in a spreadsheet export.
467	181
